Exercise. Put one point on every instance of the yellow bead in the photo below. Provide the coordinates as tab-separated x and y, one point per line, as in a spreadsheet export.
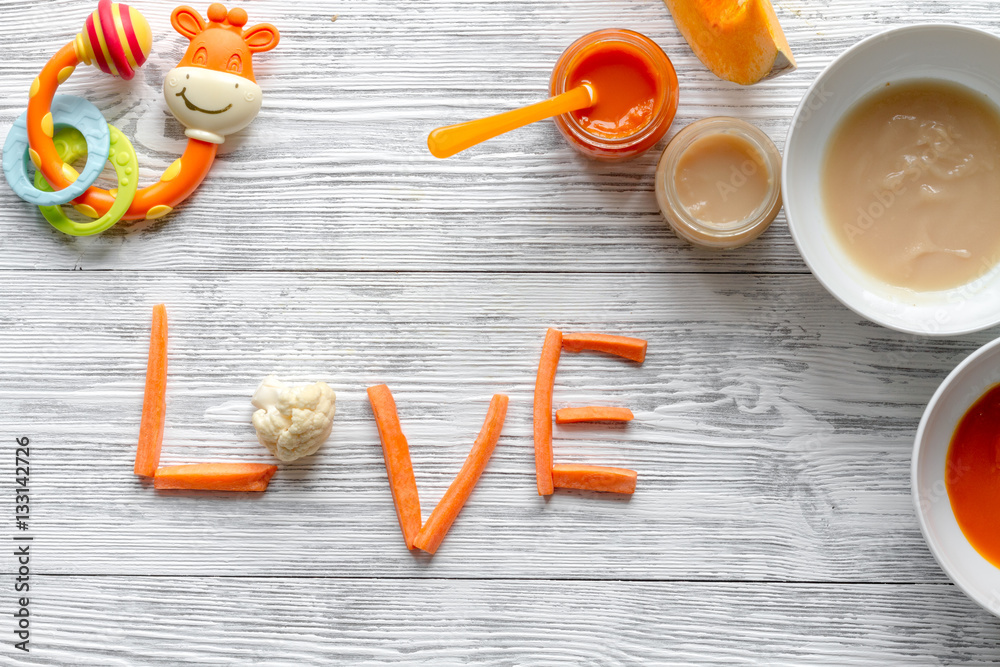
172	171
35	85
69	172
35	160
47	126
64	74
158	212
86	210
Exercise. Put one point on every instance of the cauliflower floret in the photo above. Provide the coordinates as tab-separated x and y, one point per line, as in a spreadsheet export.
293	422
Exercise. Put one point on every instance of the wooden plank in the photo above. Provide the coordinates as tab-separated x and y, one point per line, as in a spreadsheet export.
772	436
169	621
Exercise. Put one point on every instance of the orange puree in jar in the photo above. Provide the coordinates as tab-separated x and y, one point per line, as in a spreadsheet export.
972	475
636	89
625	85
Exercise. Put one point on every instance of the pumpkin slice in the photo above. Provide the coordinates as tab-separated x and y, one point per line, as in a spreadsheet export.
739	40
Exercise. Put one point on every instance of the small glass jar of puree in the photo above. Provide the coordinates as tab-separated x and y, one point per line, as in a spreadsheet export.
718	182
636	89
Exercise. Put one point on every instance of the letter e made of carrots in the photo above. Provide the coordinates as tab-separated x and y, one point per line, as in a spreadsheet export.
550	475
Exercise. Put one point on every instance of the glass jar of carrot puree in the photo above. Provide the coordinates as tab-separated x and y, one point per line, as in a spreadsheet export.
636	89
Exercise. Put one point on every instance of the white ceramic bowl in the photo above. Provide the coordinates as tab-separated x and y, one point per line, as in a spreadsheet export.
971	572
955	53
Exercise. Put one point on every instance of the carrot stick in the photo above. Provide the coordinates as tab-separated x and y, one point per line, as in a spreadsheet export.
544	382
154	401
433	532
620	346
398	466
593	413
216	477
594	478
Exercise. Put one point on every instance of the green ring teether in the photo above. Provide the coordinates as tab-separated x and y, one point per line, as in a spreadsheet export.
72	145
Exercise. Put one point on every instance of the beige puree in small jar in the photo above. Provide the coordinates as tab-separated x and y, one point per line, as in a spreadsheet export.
718	183
721	178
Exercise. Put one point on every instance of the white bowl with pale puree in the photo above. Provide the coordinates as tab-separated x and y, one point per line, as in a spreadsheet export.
956	54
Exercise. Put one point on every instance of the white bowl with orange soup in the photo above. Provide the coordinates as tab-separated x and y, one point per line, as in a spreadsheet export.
891	179
942	482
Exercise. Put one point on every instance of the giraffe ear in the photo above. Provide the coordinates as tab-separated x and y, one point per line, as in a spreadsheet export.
187	22
261	37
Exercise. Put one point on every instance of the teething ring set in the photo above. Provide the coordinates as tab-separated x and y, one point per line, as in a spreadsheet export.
212	92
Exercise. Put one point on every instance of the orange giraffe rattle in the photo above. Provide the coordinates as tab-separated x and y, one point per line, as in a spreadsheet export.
212	92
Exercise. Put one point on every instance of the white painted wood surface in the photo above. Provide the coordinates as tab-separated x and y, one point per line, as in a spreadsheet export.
772	522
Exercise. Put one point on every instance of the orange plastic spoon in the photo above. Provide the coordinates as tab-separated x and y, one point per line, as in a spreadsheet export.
446	141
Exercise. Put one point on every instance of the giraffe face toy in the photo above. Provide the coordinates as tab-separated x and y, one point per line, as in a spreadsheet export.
212	91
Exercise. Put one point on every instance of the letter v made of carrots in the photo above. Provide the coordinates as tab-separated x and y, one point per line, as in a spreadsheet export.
396	451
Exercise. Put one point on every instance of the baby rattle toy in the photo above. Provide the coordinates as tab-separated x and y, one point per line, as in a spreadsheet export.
212	92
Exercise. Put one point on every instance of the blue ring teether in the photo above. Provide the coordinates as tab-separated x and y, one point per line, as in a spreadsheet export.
66	110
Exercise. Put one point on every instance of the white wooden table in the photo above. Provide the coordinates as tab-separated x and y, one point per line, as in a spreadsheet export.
772	523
